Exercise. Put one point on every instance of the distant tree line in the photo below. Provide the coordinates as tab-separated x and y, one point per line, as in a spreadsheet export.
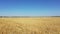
25	16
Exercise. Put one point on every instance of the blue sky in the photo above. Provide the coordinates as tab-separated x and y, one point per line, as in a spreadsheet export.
29	7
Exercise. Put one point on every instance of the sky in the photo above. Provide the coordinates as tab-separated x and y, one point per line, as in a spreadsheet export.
29	7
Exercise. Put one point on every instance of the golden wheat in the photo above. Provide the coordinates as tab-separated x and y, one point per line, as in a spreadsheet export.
43	25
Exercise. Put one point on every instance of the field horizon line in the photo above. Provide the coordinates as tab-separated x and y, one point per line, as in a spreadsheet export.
25	16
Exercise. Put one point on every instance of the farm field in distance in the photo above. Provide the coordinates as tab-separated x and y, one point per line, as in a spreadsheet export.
37	25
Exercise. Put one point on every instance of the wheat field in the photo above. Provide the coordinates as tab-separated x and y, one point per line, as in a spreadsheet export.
43	25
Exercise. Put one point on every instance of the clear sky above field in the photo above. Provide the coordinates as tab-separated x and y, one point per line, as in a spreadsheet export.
29	7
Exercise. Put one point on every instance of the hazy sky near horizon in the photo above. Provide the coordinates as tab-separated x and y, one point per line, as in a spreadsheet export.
29	7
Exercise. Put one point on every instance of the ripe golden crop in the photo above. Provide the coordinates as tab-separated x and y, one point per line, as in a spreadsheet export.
42	25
